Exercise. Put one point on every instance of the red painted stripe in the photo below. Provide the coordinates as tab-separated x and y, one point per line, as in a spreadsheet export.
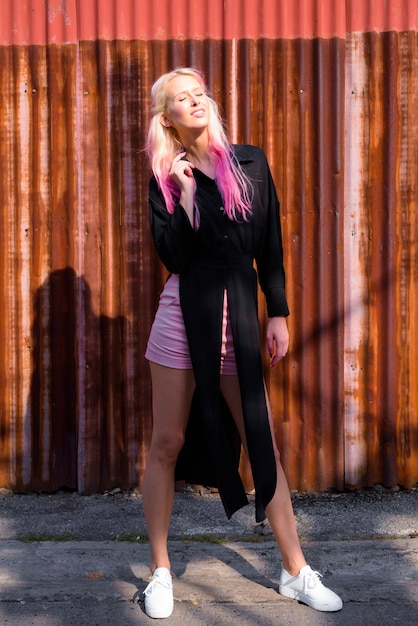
59	21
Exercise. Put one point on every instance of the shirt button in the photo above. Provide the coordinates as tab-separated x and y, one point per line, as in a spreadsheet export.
225	236
221	208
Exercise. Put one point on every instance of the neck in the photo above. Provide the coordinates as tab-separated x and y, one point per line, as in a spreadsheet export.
201	159
196	146
198	158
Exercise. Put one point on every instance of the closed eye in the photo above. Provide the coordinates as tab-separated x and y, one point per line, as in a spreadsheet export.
182	98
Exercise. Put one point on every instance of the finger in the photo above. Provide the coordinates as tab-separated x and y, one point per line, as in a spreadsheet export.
178	157
176	161
179	167
280	353
188	170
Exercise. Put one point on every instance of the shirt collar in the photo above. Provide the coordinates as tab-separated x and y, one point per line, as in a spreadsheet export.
243	153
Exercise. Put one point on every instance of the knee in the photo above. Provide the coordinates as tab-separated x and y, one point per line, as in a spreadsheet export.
165	449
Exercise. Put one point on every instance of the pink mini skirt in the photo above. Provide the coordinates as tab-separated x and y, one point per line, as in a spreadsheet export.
167	343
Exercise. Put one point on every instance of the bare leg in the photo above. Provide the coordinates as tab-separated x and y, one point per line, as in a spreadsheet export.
172	392
279	510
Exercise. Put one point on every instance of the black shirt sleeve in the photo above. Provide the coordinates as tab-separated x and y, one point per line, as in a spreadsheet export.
173	234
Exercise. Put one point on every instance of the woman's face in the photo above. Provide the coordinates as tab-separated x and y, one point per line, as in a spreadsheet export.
187	105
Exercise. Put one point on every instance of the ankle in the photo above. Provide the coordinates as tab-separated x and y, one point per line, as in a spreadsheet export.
293	567
156	564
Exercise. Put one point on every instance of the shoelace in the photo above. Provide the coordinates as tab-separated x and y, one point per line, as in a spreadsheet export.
312	579
162	582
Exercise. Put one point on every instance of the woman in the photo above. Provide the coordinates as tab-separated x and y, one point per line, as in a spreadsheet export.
213	210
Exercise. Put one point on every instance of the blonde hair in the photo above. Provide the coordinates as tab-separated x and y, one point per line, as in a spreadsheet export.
164	143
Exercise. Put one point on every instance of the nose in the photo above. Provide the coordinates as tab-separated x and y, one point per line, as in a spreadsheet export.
194	100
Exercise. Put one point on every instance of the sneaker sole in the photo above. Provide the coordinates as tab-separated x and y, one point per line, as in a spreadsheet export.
297	595
156	614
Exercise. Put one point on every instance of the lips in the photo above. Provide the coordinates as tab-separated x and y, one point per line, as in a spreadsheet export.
199	113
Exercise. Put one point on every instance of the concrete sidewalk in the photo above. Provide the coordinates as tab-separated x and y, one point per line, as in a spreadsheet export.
66	559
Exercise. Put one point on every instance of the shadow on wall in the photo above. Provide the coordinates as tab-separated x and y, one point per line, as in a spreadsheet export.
77	390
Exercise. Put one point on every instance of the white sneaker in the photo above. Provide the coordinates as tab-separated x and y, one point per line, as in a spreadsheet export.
159	601
307	588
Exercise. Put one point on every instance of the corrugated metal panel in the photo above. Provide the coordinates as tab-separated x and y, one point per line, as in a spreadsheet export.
336	114
65	21
381	355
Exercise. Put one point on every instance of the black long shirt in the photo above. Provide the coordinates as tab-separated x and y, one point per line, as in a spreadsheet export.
219	255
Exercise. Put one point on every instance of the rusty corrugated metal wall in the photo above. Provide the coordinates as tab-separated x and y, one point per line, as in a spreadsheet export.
329	90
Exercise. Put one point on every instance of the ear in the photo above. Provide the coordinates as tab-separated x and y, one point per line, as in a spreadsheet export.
165	121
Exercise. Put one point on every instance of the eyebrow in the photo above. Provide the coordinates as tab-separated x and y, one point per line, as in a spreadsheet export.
185	91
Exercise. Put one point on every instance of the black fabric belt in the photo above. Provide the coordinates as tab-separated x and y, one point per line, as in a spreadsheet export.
232	262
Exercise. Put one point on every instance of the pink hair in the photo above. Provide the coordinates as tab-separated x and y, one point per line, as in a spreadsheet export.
163	144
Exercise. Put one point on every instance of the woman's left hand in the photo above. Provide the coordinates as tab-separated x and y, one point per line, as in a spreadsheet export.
277	336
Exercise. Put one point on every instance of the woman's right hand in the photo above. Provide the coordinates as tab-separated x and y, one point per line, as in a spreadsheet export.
181	172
